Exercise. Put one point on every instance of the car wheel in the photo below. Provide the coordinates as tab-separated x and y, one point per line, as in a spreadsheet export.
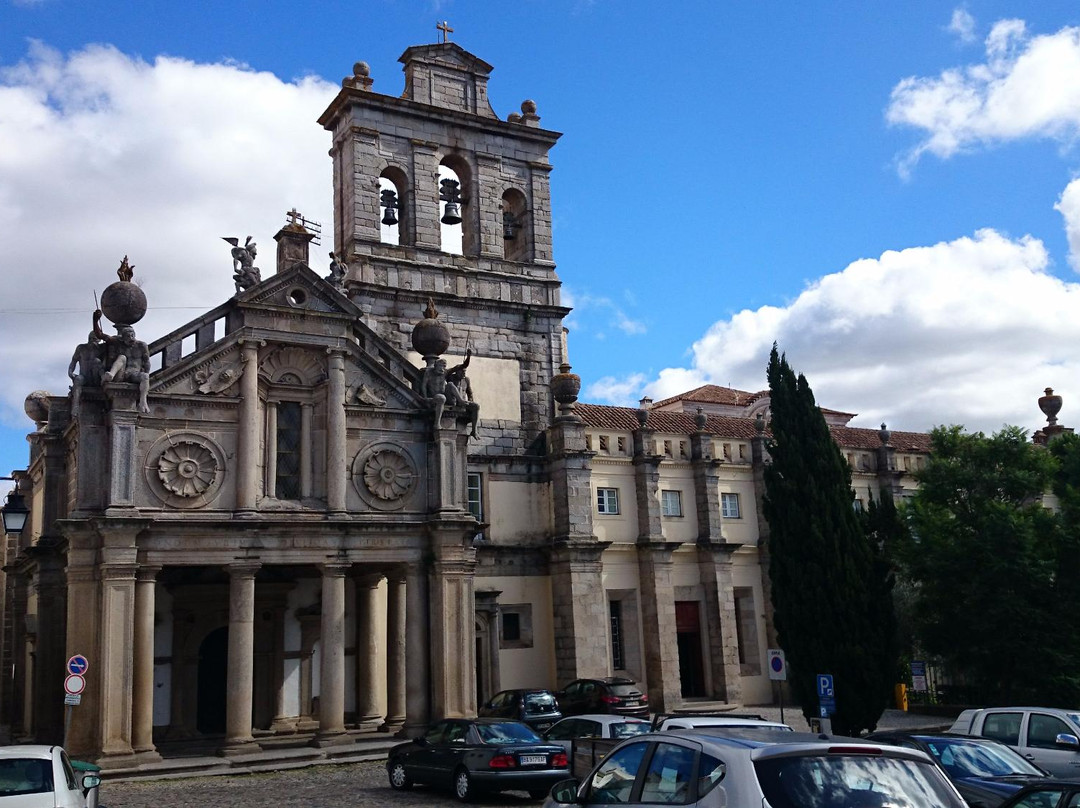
399	778
463	787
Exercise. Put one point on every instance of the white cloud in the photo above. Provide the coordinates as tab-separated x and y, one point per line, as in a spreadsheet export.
969	331
963	25
610	390
1069	207
1029	86
594	314
106	155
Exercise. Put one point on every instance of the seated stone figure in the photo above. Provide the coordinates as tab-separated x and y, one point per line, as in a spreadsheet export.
88	359
127	358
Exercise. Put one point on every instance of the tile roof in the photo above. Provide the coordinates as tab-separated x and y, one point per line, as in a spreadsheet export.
624	419
712	394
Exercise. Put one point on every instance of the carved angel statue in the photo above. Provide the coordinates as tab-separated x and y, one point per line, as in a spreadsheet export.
338	270
245	273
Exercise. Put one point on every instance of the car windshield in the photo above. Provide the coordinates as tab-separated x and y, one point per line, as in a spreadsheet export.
854	781
540	703
25	776
624	690
625	729
974	759
508	732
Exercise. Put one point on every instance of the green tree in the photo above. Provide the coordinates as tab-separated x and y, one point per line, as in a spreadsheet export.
830	589
984	558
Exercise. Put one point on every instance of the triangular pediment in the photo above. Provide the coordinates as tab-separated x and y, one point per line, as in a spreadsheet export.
300	290
446	54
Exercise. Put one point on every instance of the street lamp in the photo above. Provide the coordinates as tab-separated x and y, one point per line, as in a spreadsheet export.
14	510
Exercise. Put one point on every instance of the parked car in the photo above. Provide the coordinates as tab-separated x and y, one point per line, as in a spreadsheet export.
598	725
478	755
778	769
985	772
1048	737
537	708
34	776
1050	793
611	694
697	720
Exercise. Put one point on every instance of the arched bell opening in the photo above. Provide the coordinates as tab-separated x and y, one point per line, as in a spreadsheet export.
456	227
393	207
516	226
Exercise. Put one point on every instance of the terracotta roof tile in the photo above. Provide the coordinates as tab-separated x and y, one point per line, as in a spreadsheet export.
712	394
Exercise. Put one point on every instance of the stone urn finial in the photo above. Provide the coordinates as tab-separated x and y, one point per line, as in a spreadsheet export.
884	434
123	302
565	387
430	338
700	419
759	423
1050	405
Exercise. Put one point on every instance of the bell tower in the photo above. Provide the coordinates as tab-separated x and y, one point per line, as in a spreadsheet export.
437	197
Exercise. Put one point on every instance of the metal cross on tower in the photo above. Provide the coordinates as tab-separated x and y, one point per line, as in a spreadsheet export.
444	31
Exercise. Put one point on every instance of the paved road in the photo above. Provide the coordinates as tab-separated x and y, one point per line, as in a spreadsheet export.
356	785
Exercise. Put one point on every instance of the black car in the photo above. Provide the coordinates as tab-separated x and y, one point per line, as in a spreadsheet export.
476	755
1049	793
537	708
985	772
611	694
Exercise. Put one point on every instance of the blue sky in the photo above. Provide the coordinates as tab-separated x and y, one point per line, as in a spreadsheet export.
885	189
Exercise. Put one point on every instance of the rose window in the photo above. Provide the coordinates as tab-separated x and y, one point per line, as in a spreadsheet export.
187	469
388	475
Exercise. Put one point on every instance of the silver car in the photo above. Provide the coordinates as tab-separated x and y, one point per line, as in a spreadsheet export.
766	768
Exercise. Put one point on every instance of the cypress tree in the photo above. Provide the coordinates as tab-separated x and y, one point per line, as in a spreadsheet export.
830	593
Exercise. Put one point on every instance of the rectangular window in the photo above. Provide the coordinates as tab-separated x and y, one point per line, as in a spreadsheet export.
618	654
476	495
607	500
287	485
511	627
729	506
671	503
746	632
603	444
515	625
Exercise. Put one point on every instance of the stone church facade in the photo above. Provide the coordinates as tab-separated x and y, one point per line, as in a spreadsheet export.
315	526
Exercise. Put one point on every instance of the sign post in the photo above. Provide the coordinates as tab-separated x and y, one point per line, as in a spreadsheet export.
826	692
74	685
778	673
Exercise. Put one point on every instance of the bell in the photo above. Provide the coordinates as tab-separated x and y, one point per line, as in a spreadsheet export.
452	214
389	217
509	225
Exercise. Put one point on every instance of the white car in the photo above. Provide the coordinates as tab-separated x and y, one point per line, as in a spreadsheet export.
41	777
690	721
596	725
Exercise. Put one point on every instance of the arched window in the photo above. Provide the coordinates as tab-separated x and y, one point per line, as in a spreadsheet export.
393	212
456	227
515	226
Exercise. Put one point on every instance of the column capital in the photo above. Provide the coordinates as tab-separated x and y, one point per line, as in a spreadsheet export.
244	569
368	580
118	572
147	572
335	569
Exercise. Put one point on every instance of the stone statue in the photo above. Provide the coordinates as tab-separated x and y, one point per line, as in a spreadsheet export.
338	270
88	358
245	273
459	391
127	358
437	387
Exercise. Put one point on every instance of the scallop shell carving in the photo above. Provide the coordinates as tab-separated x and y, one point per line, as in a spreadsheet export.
286	365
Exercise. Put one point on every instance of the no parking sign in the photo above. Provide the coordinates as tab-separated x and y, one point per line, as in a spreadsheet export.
777	665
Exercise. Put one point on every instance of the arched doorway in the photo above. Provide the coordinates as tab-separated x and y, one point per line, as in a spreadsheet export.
213	679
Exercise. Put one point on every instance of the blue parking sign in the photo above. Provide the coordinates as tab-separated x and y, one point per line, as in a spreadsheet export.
825	688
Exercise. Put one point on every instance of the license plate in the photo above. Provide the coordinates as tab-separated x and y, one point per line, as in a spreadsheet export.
533	760
545	725
631	703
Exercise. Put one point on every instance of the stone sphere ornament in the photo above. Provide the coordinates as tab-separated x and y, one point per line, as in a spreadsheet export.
429	336
123	302
36	406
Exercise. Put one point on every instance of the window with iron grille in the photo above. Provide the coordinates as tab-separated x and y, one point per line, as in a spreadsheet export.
607	500
618	655
729	506
287	480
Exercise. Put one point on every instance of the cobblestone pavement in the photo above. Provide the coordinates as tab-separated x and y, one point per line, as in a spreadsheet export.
355	785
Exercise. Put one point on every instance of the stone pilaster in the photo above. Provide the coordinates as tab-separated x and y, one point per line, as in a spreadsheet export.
888	475
540	174
271	449
417	652
425	194
760	456
142	731
489	186
367	652
83	630
49	654
659	633
396	643
247	429
305	449
453	621
238	738
336	475
714	564
446	455
122	465
706	488
332	656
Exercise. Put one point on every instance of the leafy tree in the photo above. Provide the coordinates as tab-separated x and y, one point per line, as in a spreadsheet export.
830	588
986	558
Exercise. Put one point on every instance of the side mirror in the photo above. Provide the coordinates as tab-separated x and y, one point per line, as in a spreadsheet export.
420	740
565	792
1065	739
91	781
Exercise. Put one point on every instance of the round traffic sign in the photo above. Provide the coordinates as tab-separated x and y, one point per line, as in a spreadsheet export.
74	684
78	665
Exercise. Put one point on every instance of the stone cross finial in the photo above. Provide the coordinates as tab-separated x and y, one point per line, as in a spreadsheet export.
293	216
444	31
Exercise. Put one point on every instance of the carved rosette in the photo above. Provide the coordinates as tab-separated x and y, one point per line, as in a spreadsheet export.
185	469
385	476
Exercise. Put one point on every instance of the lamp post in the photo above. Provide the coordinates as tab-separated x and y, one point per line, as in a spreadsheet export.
14	510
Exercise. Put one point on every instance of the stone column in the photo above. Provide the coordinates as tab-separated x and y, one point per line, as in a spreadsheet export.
247	430
49	653
271	448
714	564
117	623
453	627
335	433
238	738
84	619
142	732
332	656
417	651
305	449
281	722
659	634
367	652
395	652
